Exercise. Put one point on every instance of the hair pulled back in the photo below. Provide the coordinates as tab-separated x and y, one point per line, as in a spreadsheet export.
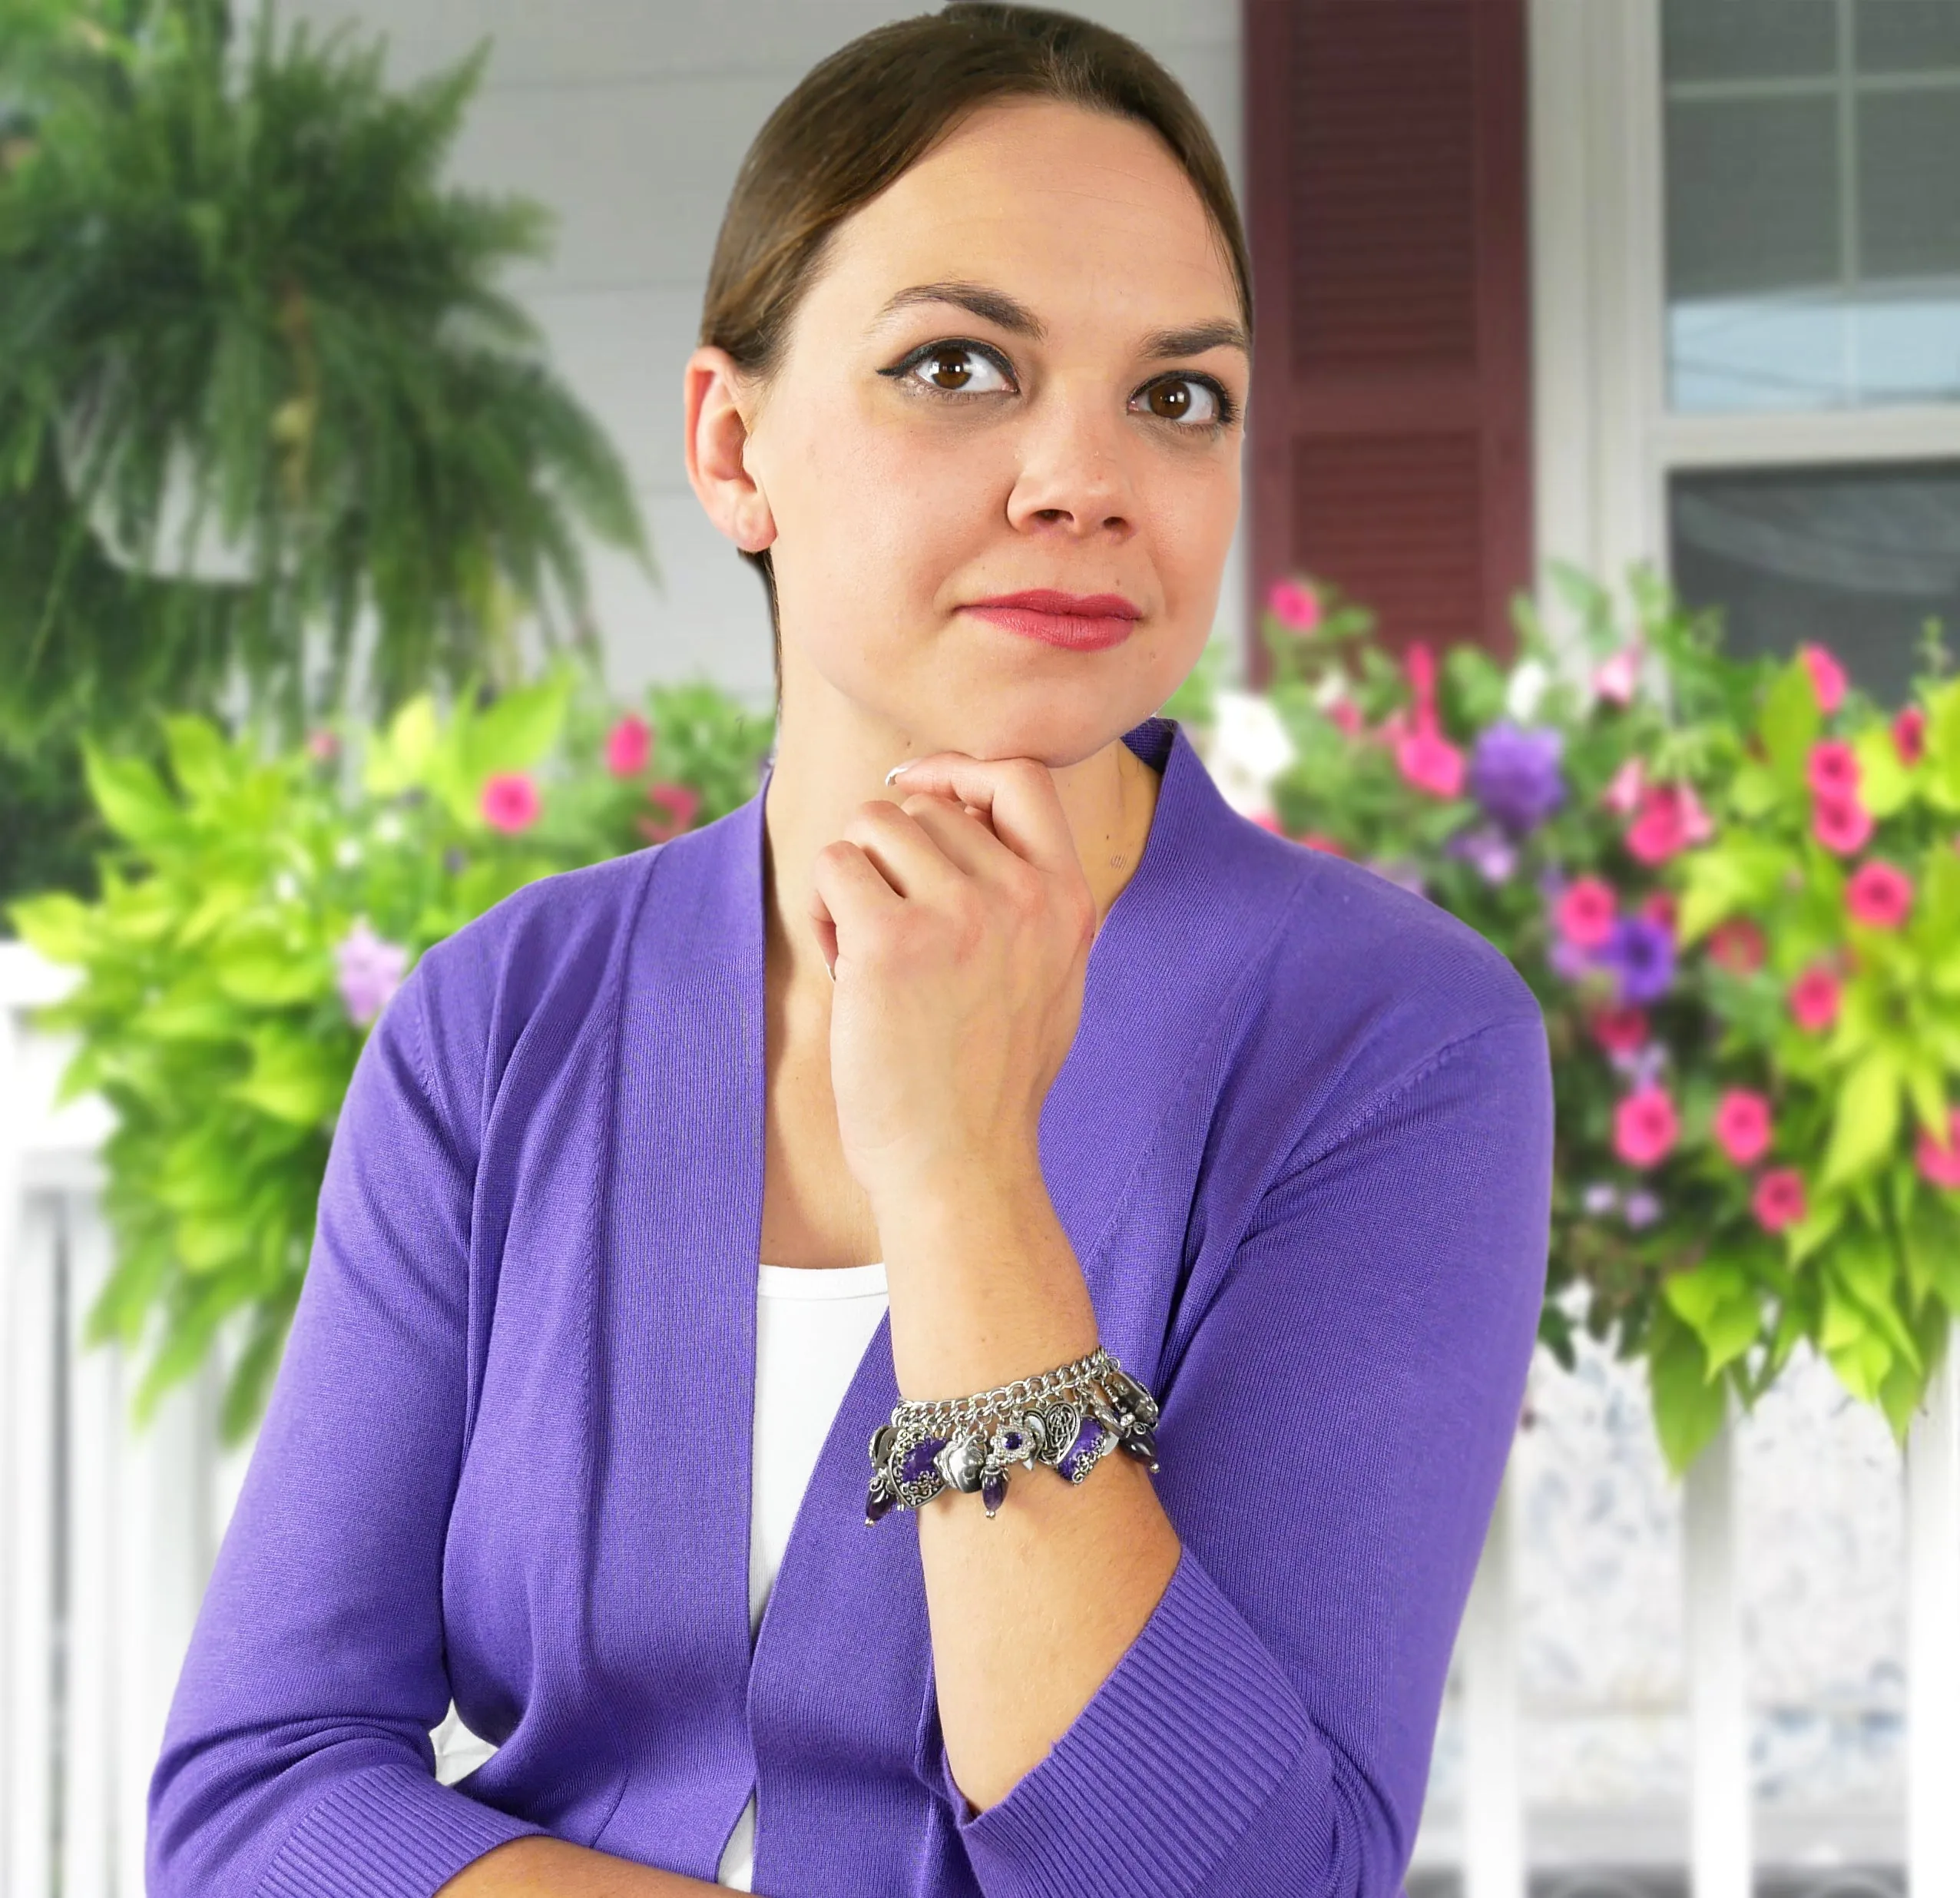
862	116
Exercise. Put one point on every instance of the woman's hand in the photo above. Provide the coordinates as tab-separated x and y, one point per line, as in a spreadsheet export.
958	924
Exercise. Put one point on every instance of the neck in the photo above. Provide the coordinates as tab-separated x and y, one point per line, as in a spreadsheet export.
830	763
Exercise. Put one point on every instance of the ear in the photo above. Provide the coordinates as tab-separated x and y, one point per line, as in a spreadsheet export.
717	403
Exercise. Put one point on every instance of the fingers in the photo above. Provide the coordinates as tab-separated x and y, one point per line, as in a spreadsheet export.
1018	795
961	832
847	890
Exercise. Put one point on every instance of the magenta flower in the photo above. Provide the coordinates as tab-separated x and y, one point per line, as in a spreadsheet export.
1833	769
629	745
1670	819
1826	675
1909	735
1742	1125
1778	1199
1879	895
509	802
1294	604
369	971
678	804
1841	824
1814	998
1615	680
1586	911
1622	795
1941	1164
1645	1126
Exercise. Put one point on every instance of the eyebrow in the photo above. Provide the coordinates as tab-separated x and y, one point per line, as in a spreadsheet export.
997	306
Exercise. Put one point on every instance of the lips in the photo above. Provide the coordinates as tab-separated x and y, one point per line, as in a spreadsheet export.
1081	622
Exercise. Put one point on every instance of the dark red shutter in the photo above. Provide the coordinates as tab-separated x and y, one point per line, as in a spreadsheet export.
1390	446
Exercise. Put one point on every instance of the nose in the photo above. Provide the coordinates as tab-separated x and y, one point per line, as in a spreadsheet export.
1074	475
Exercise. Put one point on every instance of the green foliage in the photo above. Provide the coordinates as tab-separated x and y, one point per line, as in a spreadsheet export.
220	1007
1689	804
236	300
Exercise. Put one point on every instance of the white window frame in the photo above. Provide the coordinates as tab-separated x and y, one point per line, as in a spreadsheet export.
1604	441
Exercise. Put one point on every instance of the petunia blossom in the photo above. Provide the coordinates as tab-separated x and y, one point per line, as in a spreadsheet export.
1832	768
1939	1164
1645	1126
1641	954
1814	997
1826	675
1778	1199
1643	1207
1738	945
1430	763
1670	819
369	971
1841	824
678	804
1294	604
510	802
1618	1029
629	745
1584	912
1742	1124
1622	795
1514	773
1616	679
1909	734
1879	896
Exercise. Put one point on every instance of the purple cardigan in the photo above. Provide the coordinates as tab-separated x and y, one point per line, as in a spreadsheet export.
1303	1147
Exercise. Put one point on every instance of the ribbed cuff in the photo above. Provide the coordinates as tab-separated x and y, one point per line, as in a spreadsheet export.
1163	1771
387	1832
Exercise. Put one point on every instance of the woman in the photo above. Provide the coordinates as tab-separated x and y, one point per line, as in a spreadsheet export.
989	1005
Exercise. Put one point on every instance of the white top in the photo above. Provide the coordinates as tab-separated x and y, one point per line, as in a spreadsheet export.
812	1329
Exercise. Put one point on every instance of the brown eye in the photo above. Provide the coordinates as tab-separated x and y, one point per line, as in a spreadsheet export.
957	369
1171	401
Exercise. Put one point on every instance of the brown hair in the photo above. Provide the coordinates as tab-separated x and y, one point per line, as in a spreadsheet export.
861	116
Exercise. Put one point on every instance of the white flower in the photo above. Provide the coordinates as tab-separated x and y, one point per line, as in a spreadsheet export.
1526	687
347	853
285	886
1249	748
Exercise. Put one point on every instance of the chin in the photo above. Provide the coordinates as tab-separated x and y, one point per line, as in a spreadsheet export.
1057	735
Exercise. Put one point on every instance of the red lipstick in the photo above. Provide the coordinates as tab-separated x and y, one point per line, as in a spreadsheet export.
1082	622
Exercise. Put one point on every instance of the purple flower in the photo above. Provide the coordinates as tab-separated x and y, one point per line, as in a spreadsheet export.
370	971
1570	960
1641	952
1601	1197
1642	1208
1485	846
1641	1065
1514	773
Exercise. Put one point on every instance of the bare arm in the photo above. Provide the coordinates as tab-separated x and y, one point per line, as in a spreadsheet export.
555	1868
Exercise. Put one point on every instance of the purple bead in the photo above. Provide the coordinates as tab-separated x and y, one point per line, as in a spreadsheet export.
919	1459
879	1503
993	1490
1090	1434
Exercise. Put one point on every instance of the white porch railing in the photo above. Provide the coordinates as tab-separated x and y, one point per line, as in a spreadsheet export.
107	1538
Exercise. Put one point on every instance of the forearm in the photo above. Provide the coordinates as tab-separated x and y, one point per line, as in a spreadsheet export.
555	1868
981	1294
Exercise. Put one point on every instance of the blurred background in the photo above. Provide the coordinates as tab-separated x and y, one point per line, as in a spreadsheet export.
349	577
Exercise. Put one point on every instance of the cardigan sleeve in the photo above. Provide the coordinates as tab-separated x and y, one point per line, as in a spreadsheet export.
1332	1441
296	1761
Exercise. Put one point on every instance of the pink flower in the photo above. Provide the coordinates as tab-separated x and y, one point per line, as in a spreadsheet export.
1346	714
629	745
1320	840
1620	1028
1778	1199
1738	945
1267	821
322	744
1832	770
1586	911
1429	762
1879	895
1941	1164
1294	604
1645	1126
509	802
1826	675
1814	998
1841	824
1742	1125
680	802
1616	679
1909	734
1623	795
1670	819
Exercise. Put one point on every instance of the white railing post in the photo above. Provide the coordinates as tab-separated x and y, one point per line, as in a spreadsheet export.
1721	1848
1494	1847
1932	1718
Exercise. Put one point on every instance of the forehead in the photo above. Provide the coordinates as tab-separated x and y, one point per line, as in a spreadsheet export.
1065	208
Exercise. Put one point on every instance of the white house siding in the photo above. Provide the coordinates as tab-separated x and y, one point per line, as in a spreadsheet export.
629	118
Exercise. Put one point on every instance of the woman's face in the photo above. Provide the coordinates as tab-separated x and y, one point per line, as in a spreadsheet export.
982	395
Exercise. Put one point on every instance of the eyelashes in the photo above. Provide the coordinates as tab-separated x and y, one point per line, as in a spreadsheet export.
1225	409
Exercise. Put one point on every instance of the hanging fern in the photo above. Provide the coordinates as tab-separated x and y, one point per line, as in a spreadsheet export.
236	299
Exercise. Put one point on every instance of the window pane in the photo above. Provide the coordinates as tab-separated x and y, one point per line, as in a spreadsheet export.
1855	558
1907	36
1752	197
1749	39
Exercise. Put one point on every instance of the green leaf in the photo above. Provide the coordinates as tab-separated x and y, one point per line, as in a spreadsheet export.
293	1078
130	797
1884	784
401	761
1753	791
200	761
1689	1408
516	733
60	925
1790	722
1866	1124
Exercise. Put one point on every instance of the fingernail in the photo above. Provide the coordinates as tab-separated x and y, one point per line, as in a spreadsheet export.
832	967
897	768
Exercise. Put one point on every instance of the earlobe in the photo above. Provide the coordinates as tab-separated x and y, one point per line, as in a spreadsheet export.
716	440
